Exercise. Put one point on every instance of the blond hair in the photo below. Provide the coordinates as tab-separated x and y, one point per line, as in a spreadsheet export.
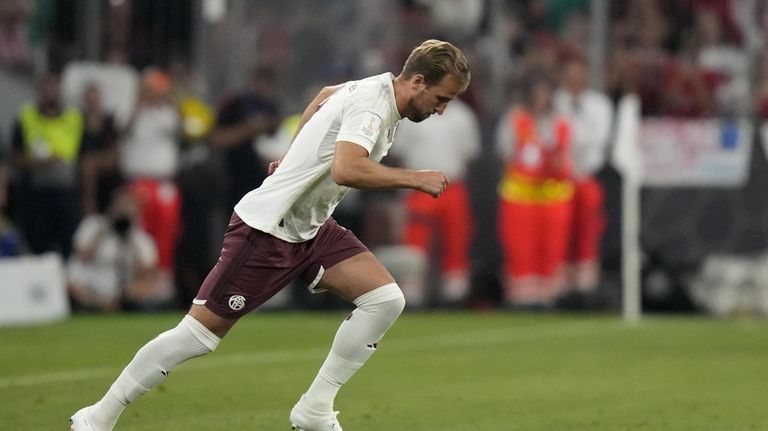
434	59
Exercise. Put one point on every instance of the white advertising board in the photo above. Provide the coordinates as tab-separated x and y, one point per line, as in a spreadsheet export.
694	152
32	290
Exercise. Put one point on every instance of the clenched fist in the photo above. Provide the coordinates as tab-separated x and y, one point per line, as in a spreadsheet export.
431	182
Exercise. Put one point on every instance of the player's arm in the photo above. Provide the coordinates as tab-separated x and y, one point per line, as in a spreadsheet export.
313	106
351	167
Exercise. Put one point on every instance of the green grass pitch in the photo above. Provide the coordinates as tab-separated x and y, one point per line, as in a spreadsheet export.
433	371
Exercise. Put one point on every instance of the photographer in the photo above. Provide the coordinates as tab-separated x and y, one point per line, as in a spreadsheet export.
114	260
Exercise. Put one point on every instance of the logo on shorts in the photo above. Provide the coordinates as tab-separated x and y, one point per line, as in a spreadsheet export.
236	302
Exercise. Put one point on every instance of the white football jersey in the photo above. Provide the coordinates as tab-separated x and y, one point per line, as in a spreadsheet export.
300	195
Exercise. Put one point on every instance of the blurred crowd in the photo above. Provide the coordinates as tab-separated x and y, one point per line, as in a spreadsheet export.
133	189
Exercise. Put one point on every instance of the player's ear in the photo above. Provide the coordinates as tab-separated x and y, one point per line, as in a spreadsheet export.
417	82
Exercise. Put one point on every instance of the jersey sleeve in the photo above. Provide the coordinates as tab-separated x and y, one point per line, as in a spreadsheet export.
360	123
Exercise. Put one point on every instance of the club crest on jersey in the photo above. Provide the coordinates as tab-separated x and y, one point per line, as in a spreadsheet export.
237	302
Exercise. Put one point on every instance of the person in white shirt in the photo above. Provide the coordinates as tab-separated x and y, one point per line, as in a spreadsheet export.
590	113
449	142
283	230
149	162
113	260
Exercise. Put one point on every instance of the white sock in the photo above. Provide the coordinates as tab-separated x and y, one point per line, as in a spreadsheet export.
355	342
151	366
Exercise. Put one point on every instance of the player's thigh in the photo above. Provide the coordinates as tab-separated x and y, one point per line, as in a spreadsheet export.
355	276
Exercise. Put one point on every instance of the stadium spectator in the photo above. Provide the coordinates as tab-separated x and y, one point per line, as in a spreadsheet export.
274	237
761	85
449	143
684	89
4	175
723	64
574	36
99	172
555	14
46	147
149	161
241	120
726	13
186	81
188	91
542	56
15	50
591	115
114	260
197	179
639	31
10	239
535	193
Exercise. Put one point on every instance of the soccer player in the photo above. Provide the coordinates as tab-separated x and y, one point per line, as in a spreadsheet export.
283	230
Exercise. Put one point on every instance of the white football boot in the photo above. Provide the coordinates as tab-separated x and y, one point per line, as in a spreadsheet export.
304	419
80	421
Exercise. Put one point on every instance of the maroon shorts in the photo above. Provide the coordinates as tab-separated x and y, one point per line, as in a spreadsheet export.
253	265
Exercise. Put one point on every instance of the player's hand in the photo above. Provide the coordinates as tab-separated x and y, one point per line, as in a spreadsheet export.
272	167
432	183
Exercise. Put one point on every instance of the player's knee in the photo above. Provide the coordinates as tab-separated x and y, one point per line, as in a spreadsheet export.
387	300
390	309
396	305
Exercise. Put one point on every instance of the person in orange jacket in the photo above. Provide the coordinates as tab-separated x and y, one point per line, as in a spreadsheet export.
535	196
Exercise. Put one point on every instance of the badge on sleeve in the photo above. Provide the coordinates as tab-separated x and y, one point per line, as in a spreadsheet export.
371	125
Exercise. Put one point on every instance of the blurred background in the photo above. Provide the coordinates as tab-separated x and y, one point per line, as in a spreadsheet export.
607	156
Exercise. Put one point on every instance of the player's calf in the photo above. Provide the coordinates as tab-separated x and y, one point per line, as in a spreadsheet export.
149	367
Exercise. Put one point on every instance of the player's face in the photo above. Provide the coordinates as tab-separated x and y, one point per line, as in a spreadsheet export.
432	99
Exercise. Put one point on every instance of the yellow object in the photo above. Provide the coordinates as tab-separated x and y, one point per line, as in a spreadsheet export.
197	117
520	188
52	136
